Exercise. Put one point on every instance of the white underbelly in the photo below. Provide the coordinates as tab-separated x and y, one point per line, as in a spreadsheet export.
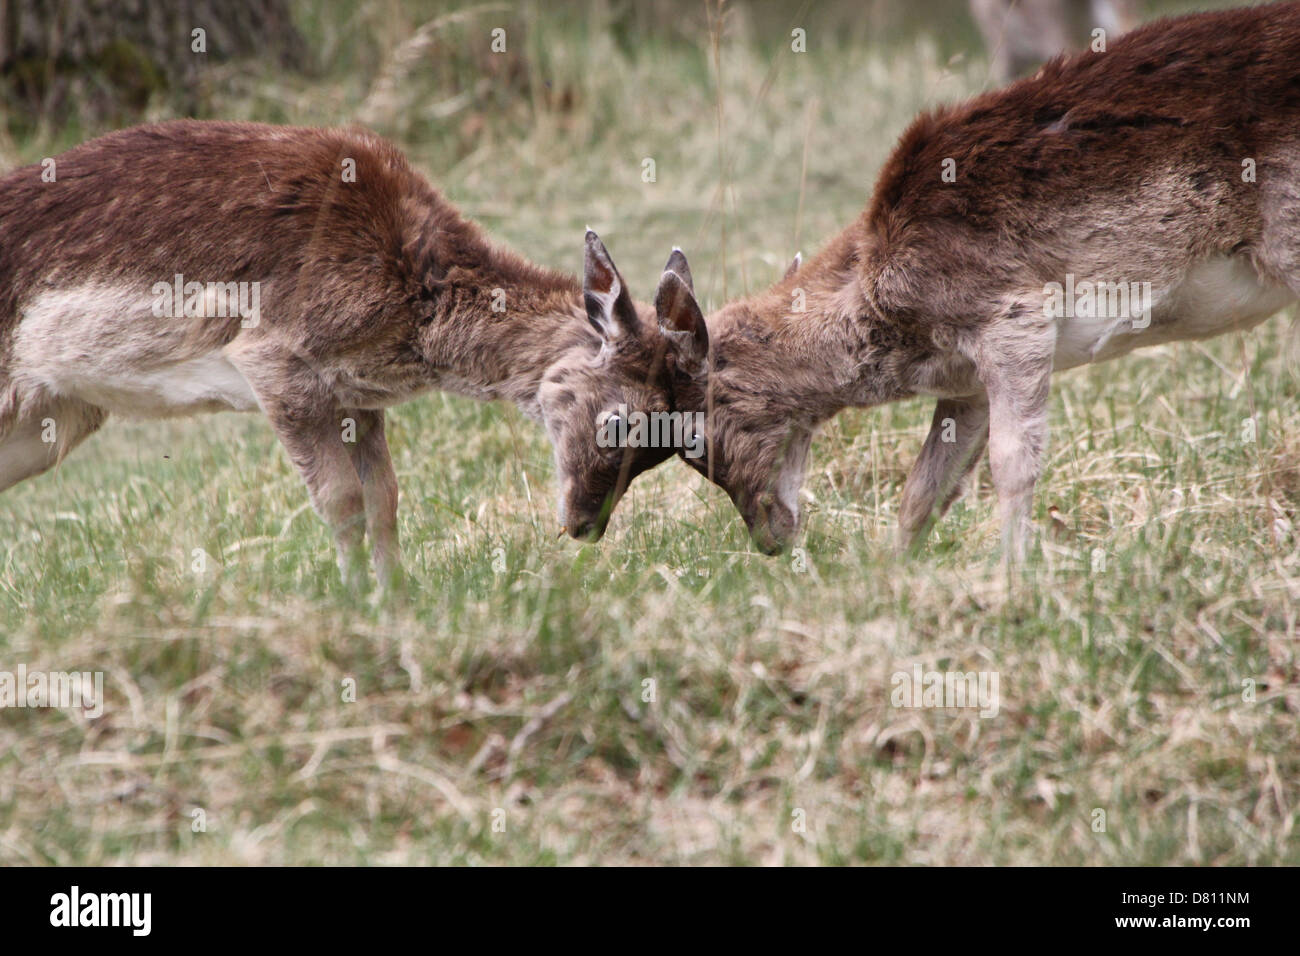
1215	296
207	383
104	345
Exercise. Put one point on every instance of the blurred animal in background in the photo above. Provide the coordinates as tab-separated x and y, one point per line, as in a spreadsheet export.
1022	34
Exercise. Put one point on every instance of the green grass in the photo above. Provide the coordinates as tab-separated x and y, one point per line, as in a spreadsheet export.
509	689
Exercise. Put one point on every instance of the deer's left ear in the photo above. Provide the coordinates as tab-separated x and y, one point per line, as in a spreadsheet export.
609	306
680	318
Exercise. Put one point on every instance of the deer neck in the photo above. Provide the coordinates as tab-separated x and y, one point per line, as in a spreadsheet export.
493	333
812	344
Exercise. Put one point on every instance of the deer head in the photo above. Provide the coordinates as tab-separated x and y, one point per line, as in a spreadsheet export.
586	399
729	430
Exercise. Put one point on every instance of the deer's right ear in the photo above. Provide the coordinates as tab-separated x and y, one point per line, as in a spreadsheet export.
609	306
677	263
681	321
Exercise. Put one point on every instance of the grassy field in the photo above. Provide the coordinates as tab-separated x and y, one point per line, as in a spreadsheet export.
669	695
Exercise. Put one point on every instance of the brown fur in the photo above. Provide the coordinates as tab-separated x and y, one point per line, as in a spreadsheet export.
372	292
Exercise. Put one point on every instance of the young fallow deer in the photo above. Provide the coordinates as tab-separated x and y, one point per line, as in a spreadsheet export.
202	266
1171	161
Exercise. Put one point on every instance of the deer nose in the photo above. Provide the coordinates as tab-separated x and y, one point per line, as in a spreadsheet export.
767	542
771	525
586	530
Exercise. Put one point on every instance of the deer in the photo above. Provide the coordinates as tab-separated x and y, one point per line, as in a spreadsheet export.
989	257
311	275
1021	34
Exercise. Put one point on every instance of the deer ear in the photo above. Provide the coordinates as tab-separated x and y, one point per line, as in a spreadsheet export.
682	322
677	263
609	306
794	266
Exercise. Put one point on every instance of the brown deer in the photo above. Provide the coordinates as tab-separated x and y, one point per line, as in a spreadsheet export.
1113	201
202	266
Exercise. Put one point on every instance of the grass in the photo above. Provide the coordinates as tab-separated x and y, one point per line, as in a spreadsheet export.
667	696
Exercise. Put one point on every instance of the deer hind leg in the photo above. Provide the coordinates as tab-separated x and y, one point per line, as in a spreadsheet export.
1014	362
1279	203
958	436
40	435
374	468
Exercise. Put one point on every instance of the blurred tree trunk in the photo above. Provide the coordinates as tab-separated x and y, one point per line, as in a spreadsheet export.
105	59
